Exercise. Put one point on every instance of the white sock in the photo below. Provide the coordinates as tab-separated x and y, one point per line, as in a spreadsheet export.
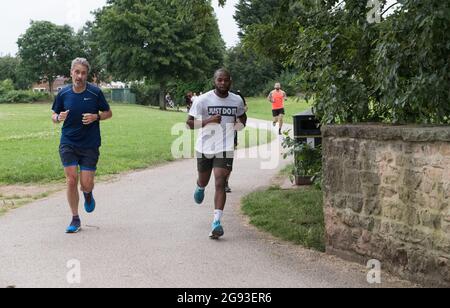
218	214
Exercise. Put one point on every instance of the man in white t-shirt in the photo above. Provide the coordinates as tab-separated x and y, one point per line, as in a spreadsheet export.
218	114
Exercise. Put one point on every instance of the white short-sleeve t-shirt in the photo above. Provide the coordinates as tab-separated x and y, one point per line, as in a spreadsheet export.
217	138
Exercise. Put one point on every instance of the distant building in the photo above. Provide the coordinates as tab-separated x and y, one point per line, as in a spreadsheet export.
114	85
59	83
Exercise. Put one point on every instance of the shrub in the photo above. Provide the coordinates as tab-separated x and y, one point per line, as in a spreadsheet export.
146	94
6	86
307	159
21	96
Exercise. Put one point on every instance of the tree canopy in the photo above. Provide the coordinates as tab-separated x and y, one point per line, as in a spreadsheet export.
360	62
12	68
8	67
47	50
90	49
251	71
161	40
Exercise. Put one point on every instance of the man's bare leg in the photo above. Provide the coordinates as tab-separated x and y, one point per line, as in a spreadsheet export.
73	198
202	183
87	180
220	198
204	178
72	189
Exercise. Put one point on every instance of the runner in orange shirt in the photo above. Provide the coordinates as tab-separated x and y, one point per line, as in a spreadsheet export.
277	97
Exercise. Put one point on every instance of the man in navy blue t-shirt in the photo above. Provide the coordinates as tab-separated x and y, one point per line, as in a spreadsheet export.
81	106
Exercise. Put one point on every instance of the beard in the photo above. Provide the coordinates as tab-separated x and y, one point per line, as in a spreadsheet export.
223	91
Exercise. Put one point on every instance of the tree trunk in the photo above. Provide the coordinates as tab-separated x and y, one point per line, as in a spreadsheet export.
50	85
162	96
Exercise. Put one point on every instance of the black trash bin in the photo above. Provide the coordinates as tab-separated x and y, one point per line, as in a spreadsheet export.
307	128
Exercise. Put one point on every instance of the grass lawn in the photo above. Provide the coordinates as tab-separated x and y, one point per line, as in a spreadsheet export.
293	215
137	137
260	108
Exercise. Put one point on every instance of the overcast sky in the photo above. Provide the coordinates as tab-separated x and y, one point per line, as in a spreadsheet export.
15	17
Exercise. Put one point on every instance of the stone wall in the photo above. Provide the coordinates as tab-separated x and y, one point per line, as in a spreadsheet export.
387	197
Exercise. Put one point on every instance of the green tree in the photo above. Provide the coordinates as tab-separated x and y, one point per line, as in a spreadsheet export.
23	79
46	50
161	40
251	72
8	67
6	86
266	27
394	68
253	12
12	68
412	62
91	50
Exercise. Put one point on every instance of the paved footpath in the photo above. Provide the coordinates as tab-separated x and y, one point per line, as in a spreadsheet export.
147	232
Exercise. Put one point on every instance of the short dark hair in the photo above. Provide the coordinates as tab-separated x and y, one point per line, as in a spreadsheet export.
222	71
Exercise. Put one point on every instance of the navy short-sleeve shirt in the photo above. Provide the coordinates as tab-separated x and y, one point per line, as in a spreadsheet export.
74	132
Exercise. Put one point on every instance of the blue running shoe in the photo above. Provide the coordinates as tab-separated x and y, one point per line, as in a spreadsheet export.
89	203
199	195
75	226
217	231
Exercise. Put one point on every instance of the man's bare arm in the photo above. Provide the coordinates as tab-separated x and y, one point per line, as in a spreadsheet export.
243	119
106	115
61	117
241	122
